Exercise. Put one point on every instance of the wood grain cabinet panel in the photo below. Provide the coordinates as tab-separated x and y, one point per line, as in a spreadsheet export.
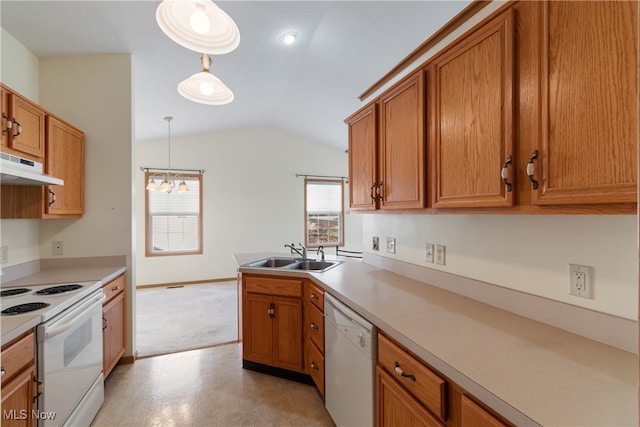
363	159
471	97
27	134
589	103
5	123
272	321
18	382
474	415
396	407
402	171
113	324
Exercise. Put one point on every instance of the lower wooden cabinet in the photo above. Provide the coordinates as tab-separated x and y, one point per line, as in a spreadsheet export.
19	382
396	407
474	415
113	324
314	333
272	321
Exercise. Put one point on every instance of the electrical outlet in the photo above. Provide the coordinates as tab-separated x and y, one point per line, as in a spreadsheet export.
440	254
375	245
581	281
391	245
429	253
57	247
4	254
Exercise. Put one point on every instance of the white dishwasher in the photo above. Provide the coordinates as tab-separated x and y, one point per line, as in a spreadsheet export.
350	358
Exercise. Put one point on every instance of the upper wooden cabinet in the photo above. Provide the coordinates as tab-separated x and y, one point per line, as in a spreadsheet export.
471	118
387	152
402	146
363	159
588	86
65	160
23	125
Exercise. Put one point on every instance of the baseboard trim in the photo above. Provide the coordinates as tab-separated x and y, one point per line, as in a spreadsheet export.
127	360
191	282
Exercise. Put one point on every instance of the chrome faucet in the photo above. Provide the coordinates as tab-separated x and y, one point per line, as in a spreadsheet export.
302	251
321	251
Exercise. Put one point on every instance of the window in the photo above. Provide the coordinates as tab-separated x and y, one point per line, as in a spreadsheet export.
324	213
174	220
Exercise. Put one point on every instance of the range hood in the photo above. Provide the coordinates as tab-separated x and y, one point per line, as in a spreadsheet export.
15	170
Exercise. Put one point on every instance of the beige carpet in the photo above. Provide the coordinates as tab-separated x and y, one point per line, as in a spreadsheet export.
183	318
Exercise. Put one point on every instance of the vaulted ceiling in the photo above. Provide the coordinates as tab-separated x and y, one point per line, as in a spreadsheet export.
307	88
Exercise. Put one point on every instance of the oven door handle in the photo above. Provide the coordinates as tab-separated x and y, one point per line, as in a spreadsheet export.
78	312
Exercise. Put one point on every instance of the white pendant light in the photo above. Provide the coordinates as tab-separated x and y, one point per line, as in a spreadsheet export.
204	87
199	25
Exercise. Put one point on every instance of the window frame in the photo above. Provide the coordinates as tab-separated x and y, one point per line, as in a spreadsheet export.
148	235
341	228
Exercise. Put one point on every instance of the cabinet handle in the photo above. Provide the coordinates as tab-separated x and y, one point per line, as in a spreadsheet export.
116	288
371	193
314	366
504	173
379	192
9	124
52	197
272	310
2	371
39	389
399	371
18	129
531	169
313	326
104	323
314	296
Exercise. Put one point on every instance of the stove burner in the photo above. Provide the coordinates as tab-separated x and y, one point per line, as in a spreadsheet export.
25	308
58	289
14	291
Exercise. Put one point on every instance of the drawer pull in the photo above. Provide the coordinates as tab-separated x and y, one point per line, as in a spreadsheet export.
400	372
117	288
313	326
104	323
314	296
2	371
314	366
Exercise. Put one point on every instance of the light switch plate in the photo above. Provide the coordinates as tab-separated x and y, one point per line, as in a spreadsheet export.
391	245
375	245
440	254
429	253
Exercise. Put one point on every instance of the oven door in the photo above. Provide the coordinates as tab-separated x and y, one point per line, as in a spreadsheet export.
69	358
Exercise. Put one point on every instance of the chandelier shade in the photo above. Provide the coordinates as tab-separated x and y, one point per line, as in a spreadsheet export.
204	87
199	25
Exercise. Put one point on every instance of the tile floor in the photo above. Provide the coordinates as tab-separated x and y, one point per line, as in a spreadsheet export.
205	387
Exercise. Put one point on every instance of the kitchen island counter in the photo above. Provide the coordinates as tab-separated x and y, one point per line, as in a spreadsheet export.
530	372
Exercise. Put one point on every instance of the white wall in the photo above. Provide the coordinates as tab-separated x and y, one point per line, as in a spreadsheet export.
527	253
252	199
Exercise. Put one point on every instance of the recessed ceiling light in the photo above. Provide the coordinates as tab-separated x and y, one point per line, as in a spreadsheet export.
289	37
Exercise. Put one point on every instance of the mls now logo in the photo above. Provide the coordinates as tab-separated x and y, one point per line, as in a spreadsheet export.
23	414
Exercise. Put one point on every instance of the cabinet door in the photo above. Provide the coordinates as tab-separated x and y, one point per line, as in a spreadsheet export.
113	333
471	118
362	158
474	415
17	400
589	103
65	160
402	146
287	333
257	328
6	119
396	407
27	133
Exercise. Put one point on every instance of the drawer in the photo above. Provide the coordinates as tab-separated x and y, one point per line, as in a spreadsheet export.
273	286
474	415
314	295
17	355
315	359
315	326
425	385
113	288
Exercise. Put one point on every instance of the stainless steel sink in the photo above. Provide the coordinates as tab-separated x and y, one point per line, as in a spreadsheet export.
294	264
272	262
311	265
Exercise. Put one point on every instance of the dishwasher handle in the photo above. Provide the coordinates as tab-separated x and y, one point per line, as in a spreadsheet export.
346	313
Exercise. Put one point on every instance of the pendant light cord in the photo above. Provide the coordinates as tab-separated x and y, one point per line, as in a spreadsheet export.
168	119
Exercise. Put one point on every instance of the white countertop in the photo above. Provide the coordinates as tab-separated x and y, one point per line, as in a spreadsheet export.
528	371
